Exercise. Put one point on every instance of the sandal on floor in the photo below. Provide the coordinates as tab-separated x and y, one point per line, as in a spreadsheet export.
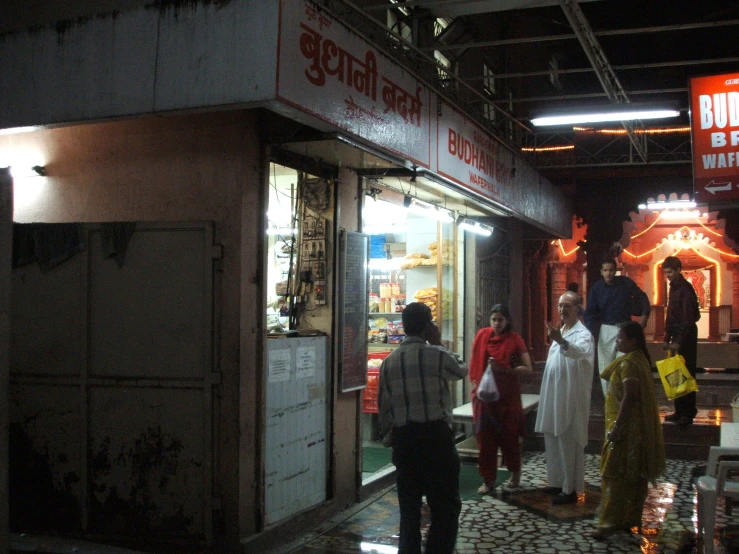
511	484
485	489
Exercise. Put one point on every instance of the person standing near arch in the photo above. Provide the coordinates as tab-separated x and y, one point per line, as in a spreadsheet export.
681	332
609	304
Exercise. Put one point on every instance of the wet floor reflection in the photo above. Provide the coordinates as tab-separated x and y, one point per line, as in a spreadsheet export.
524	520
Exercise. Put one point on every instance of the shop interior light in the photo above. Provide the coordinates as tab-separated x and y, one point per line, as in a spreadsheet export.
622	112
668	205
281	231
427	209
385	229
472	226
384	264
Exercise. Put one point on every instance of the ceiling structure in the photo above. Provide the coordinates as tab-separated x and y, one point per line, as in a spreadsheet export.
554	55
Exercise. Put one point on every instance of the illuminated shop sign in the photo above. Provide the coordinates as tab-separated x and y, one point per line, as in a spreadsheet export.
714	106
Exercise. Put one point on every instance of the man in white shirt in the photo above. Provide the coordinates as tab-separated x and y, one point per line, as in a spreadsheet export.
564	401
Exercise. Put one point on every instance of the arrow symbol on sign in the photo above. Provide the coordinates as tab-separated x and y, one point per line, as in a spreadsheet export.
717	187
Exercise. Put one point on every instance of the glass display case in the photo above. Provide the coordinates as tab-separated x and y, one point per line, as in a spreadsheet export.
420	269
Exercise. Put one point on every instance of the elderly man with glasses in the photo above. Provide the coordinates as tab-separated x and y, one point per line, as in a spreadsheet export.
564	401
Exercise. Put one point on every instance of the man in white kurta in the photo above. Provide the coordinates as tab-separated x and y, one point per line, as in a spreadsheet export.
564	401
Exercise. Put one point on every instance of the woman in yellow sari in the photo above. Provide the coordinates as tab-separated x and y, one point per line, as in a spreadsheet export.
634	452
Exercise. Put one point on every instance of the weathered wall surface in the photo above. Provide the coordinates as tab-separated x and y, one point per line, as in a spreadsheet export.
175	56
203	167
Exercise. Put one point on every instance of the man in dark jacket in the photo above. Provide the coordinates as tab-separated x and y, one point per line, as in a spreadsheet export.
681	332
609	304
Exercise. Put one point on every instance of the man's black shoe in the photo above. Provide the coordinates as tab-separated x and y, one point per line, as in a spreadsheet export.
552	490
672	417
685	421
563	498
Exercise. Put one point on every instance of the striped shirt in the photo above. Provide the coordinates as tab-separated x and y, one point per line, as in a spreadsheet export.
414	384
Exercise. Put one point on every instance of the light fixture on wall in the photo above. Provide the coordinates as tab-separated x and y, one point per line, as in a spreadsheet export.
472	226
427	209
616	112
20	171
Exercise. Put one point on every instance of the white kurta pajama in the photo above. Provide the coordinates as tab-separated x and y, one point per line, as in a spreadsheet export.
607	351
564	408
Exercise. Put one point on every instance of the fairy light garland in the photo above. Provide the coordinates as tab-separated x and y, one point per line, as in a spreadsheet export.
547	148
659	216
562	248
658	131
708	229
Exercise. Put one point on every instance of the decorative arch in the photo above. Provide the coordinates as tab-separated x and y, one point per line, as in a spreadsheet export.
708	256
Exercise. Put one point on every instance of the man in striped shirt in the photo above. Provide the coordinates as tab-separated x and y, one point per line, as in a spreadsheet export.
416	406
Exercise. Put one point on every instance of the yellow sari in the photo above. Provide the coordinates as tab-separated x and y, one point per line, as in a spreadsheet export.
626	467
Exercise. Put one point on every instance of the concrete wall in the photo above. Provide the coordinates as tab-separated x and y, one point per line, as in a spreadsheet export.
6	246
347	410
174	56
204	167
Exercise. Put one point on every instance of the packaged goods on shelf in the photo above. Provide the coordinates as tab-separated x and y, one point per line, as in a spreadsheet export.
446	245
378	323
369	394
430	297
376	336
411	263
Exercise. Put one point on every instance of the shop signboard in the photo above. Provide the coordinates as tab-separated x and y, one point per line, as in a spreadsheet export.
330	72
714	106
472	158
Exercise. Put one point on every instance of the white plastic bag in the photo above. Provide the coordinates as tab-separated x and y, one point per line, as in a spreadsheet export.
488	389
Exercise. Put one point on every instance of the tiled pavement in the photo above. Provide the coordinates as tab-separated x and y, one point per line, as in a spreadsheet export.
523	520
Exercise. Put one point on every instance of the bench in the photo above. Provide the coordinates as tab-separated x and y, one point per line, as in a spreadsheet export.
463	414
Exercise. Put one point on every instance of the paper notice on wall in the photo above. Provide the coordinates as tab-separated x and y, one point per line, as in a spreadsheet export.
306	361
279	365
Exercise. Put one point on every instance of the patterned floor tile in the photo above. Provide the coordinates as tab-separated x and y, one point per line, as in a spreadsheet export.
523	520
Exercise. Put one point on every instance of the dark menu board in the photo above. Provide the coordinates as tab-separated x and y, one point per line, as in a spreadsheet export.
353	260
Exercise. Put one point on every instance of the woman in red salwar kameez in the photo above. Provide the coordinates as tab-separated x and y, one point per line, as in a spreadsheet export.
499	424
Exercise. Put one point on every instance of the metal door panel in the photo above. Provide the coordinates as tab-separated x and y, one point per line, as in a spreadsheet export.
133	396
47	468
296	429
49	311
146	318
147	461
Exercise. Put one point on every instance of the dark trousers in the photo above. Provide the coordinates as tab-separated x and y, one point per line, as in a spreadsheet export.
685	405
427	463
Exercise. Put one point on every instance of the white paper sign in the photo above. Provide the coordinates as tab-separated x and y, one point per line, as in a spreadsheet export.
330	72
279	365
305	361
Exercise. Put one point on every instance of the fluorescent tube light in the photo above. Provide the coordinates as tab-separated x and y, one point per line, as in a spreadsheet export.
672	204
475	227
426	209
604	116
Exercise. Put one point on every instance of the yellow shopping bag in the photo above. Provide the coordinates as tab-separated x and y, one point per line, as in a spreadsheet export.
675	377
